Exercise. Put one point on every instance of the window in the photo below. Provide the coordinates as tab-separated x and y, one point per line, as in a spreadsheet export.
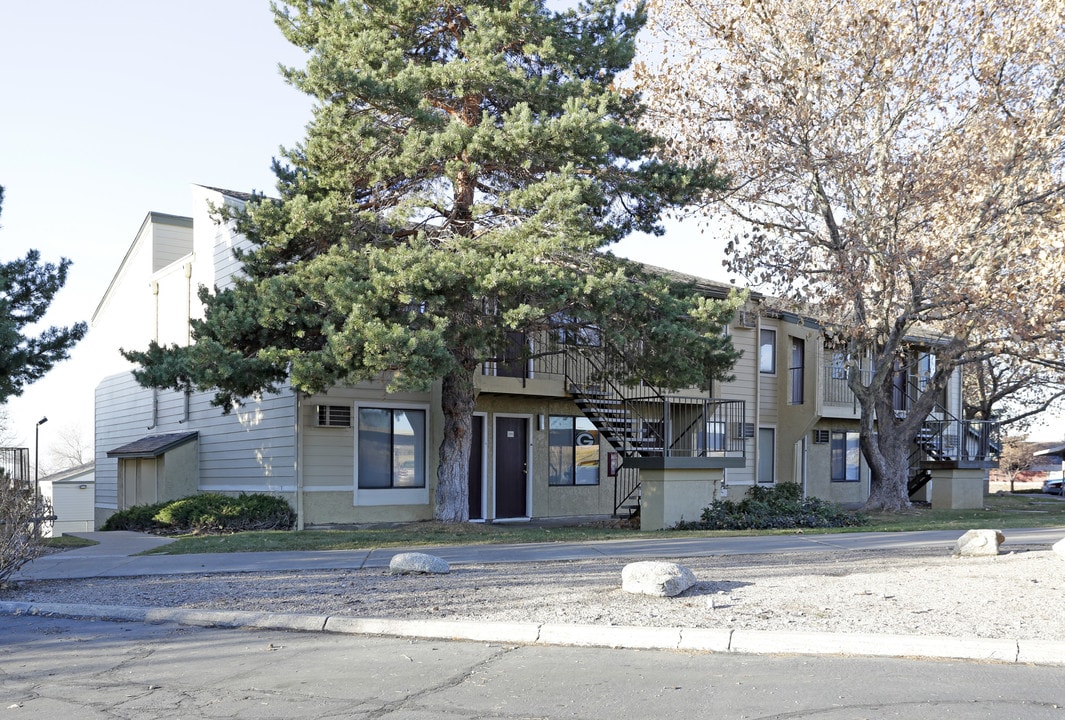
766	461
846	456
391	448
839	365
573	451
767	351
570	331
714	440
797	370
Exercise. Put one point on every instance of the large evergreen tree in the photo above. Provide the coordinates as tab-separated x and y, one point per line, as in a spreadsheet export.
27	288
465	171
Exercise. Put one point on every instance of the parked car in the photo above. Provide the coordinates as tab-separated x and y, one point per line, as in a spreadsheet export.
1053	486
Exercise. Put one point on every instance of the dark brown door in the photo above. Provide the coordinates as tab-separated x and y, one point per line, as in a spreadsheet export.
476	468
511	467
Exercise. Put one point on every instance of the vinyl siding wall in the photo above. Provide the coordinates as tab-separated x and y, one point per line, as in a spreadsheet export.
249	450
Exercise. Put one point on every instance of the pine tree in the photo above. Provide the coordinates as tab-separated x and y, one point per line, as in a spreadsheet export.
27	288
466	170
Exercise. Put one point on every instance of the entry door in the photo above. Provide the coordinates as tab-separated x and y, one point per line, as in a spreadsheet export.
511	467
477	468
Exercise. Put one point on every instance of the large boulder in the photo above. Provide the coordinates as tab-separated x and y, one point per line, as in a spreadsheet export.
653	577
1059	547
414	562
979	542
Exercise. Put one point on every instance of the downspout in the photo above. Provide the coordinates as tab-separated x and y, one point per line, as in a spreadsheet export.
155	337
757	393
299	460
188	304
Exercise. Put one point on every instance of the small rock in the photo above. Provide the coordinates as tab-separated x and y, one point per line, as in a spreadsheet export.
662	579
406	563
1059	547
979	542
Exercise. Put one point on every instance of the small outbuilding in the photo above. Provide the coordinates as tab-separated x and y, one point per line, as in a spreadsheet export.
72	494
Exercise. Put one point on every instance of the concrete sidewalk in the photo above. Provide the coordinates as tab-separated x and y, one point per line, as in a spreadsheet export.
116	553
115	557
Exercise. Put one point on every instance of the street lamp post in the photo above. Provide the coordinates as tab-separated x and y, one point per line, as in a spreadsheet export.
37	477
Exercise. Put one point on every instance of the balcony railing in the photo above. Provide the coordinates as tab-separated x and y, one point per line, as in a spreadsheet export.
835	388
15	466
960	441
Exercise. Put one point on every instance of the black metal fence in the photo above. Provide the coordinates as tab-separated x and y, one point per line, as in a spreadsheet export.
15	466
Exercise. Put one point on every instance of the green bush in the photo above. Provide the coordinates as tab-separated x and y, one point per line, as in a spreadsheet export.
773	507
139	518
206	514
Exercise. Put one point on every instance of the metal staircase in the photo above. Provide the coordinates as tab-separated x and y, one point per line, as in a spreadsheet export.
642	421
946	441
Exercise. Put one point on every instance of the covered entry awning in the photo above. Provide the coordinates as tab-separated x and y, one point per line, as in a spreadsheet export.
152	446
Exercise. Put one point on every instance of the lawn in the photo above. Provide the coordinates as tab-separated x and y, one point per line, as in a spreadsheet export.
1000	511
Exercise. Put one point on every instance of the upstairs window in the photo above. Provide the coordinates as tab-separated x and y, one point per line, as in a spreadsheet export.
767	351
797	371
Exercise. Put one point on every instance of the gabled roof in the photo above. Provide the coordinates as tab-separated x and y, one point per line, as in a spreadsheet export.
152	446
74	474
235	194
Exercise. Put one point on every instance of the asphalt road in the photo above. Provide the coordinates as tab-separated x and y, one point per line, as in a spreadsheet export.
59	669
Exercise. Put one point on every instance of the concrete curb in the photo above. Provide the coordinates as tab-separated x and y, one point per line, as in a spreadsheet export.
1030	652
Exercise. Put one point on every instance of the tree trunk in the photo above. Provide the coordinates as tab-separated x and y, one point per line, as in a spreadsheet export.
886	442
888	455
457	401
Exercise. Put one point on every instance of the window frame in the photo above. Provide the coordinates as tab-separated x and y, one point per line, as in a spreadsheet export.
571	471
842	473
392	495
762	456
767	362
797	372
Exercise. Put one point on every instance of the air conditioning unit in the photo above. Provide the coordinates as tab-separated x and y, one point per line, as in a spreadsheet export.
743	431
333	416
822	436
746	319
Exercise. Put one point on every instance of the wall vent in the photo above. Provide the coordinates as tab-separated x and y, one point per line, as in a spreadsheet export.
334	416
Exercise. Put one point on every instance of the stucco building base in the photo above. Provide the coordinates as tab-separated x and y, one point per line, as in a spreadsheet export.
670	495
957	489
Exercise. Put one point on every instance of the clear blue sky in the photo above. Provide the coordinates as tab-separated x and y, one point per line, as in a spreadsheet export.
113	108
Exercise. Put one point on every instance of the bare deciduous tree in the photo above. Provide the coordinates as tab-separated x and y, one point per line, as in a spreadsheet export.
70	448
1018	455
899	164
1014	390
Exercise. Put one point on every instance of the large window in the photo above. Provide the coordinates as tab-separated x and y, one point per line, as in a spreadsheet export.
391	448
846	456
766	459
573	451
767	351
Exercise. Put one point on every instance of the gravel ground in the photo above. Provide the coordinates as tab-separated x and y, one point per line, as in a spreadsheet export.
1018	595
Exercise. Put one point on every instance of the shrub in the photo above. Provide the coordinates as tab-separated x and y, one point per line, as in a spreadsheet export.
773	507
206	513
23	518
139	518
